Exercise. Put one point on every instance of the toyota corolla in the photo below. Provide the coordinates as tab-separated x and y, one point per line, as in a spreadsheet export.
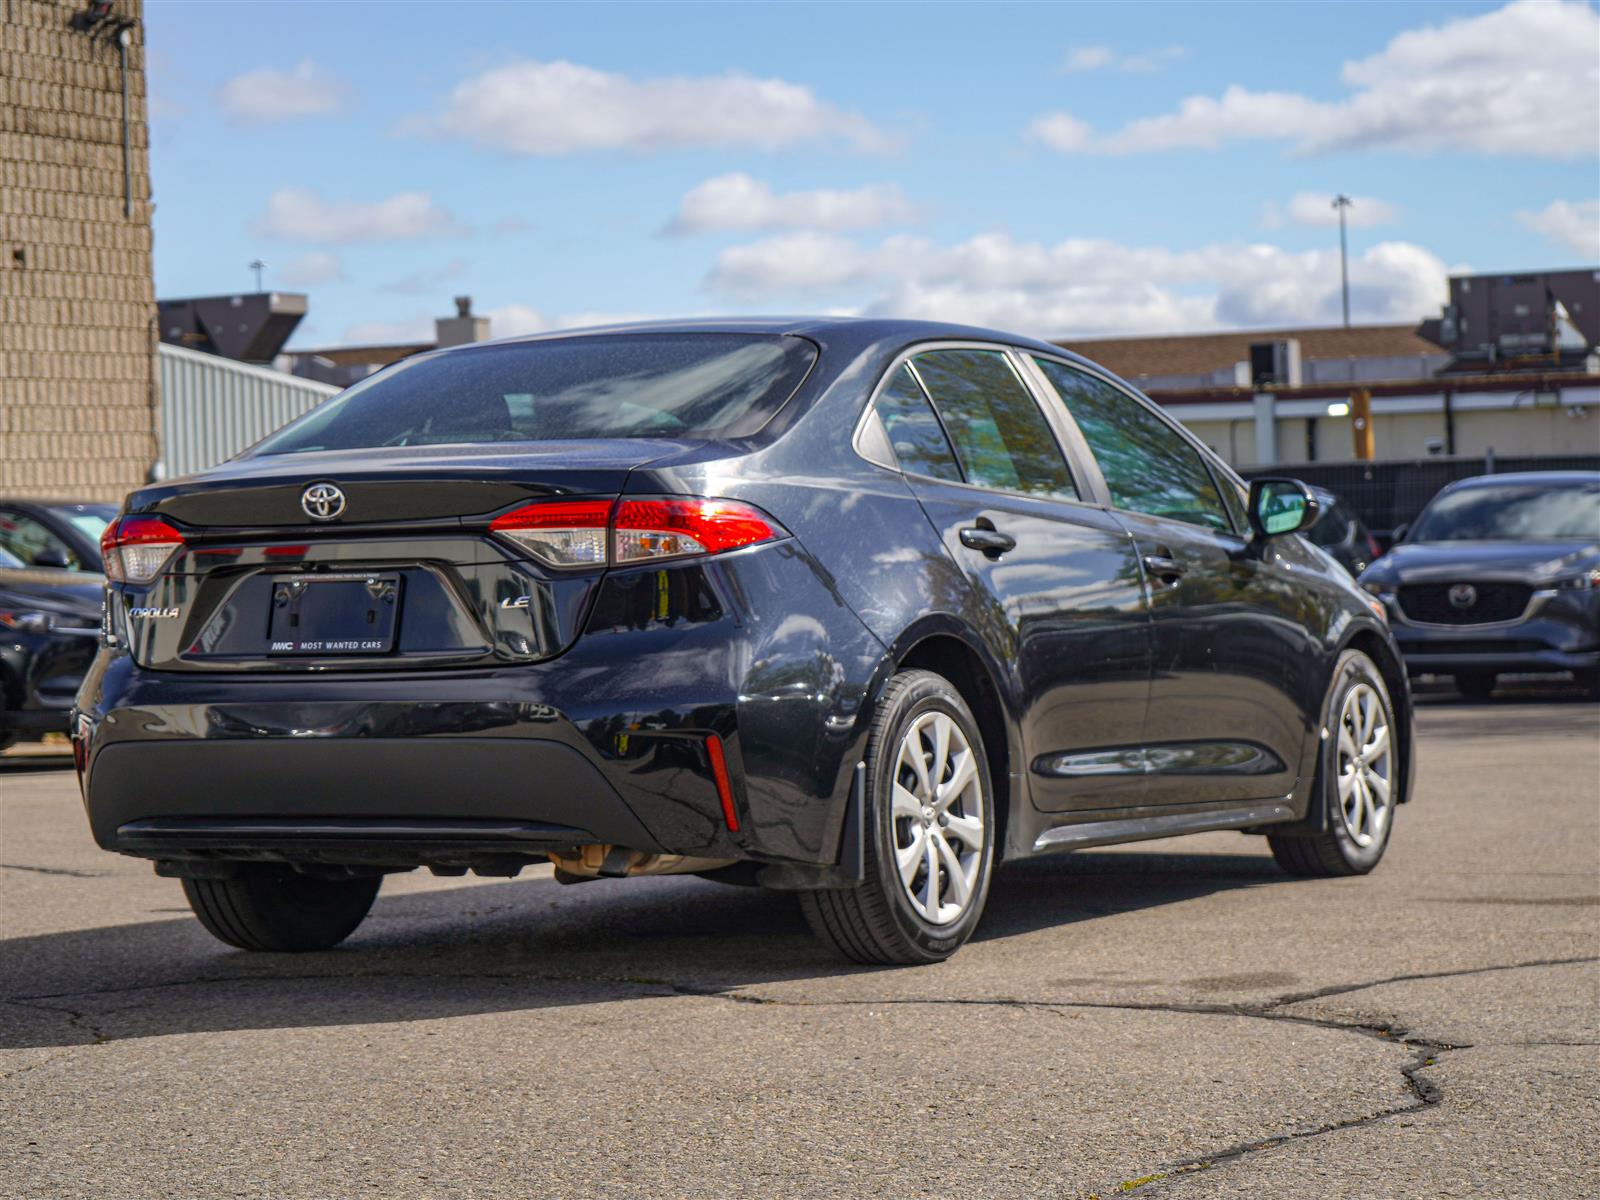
856	609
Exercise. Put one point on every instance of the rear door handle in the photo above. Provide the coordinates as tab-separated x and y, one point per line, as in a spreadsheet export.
991	541
1162	567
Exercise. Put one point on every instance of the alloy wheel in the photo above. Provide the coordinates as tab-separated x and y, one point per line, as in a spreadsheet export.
937	813
1365	757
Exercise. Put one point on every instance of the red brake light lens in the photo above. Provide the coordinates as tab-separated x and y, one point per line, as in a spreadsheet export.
595	533
559	533
135	549
671	528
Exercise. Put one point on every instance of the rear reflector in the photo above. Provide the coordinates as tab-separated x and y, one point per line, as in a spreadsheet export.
719	772
136	548
593	533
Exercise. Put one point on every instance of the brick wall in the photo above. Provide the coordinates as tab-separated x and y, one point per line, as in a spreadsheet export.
77	352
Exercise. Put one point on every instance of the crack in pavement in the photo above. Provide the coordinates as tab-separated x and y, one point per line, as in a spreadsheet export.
54	871
1426	1052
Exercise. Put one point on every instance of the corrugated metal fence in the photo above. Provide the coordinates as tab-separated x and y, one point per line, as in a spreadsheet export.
213	407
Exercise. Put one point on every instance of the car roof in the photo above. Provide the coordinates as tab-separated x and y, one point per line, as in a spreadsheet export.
1531	479
856	330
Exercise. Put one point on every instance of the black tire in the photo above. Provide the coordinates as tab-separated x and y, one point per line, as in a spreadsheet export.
1477	686
1333	850
273	907
877	922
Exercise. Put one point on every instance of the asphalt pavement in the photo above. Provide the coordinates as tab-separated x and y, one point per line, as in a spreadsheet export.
1176	1019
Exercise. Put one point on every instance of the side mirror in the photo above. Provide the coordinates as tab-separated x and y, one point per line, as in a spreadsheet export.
53	556
1399	534
1279	506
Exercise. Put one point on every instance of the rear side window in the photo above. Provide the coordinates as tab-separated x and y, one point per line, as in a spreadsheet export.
919	443
1000	436
1148	466
676	385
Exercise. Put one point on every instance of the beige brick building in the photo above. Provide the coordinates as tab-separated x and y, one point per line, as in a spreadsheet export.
78	384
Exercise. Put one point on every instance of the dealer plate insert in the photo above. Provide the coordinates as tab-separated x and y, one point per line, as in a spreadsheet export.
348	613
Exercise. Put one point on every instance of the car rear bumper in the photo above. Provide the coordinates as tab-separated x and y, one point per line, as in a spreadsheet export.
607	744
395	801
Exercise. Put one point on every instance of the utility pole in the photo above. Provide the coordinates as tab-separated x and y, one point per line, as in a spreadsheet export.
1340	203
258	266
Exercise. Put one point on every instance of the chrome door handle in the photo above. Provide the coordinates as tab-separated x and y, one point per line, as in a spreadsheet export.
1164	568
991	541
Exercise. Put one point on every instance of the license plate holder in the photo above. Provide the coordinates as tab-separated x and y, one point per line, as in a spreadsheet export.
350	613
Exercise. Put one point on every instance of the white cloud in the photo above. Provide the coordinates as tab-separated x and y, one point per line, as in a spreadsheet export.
738	201
422	282
1088	58
1062	132
1519	80
309	270
268	94
300	215
1316	209
1083	285
563	107
1575	227
1099	58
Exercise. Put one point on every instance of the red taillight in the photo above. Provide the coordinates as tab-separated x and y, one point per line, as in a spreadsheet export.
559	533
593	533
671	528
1373	547
134	549
719	772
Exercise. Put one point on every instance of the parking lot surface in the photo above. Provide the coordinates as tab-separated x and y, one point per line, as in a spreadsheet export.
1176	1019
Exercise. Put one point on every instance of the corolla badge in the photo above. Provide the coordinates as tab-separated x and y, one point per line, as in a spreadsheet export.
322	501
1463	595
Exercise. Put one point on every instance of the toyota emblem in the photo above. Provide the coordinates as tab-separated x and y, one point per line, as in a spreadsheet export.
324	502
1463	595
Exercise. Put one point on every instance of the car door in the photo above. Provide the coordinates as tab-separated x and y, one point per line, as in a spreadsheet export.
1230	644
1056	580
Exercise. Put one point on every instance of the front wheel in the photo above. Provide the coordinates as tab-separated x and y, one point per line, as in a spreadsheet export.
930	824
268	906
1358	780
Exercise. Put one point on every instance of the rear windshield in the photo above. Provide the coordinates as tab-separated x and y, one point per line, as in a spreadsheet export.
1511	513
674	385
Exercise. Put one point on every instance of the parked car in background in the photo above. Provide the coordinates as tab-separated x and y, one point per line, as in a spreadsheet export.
58	535
850	608
1499	574
1340	532
49	632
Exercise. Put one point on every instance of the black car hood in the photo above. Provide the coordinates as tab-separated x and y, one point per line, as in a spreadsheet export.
63	593
1522	562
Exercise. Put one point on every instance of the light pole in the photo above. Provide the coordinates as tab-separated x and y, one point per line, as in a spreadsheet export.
258	266
1340	203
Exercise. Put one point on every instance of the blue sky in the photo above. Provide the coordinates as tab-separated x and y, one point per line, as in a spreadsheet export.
1057	169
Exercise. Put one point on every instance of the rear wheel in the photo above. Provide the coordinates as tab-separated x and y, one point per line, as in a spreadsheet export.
269	906
1476	685
930	824
1358	780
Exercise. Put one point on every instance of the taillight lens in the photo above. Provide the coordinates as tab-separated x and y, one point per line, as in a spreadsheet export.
561	533
592	533
136	548
672	528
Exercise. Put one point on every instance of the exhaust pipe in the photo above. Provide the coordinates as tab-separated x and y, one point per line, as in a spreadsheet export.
601	861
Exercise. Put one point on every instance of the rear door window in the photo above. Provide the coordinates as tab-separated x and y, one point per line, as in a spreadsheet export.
914	432
1149	466
1001	438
